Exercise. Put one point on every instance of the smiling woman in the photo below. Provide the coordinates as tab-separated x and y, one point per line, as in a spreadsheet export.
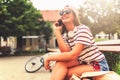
78	50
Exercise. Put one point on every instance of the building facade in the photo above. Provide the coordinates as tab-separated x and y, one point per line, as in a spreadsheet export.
52	16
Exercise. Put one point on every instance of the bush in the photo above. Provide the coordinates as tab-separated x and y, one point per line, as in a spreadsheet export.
118	68
113	59
24	52
101	39
5	50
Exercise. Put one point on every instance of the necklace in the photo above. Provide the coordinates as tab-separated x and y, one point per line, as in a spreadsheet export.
70	34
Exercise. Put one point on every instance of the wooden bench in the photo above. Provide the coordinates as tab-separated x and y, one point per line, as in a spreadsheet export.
109	45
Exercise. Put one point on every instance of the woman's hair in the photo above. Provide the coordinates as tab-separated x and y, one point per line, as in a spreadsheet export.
76	15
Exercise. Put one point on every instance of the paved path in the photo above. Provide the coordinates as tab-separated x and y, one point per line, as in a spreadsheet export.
12	68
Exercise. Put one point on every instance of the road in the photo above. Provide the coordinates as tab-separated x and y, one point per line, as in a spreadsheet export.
12	68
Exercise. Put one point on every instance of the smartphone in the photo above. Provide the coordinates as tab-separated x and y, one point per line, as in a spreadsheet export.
59	23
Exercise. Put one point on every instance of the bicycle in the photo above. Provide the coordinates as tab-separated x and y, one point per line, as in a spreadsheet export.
37	62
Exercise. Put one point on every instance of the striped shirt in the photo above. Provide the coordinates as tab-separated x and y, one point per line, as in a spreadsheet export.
82	34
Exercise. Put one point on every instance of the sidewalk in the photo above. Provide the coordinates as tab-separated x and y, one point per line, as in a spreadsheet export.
12	68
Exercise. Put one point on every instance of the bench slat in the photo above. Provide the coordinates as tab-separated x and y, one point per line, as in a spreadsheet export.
109	48
109	45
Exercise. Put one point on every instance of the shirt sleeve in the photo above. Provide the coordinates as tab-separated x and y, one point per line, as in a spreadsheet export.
84	36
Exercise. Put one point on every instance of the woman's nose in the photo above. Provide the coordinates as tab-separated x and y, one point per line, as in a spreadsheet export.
64	13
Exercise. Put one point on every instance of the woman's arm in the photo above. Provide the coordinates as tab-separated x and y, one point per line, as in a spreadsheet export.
62	46
73	54
66	56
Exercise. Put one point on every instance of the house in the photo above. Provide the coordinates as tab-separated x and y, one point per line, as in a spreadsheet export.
52	16
37	42
34	42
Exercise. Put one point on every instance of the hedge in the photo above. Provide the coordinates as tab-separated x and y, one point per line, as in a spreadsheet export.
113	59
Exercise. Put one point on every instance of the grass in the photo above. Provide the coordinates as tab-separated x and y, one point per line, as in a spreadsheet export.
101	39
118	68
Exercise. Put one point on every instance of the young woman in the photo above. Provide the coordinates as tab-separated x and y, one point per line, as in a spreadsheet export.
79	53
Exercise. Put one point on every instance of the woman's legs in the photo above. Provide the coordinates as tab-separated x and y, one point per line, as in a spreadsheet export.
78	70
60	69
66	69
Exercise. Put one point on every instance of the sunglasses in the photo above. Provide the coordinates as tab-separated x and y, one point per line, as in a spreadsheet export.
64	11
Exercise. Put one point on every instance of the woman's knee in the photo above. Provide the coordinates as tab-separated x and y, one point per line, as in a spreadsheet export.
61	64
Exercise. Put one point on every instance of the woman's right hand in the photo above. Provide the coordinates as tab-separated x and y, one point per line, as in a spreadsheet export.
57	26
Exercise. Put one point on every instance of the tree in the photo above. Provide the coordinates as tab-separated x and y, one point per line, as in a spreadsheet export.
46	30
19	18
101	15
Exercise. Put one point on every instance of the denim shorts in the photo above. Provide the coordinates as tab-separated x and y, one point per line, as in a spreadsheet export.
103	65
97	65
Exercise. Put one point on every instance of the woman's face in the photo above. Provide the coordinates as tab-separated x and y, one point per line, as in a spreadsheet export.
67	15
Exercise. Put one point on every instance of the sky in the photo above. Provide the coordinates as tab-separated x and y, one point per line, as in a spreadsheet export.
55	4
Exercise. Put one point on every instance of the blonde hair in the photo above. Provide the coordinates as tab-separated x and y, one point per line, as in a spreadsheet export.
76	14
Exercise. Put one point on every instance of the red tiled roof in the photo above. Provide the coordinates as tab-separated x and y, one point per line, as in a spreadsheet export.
50	15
